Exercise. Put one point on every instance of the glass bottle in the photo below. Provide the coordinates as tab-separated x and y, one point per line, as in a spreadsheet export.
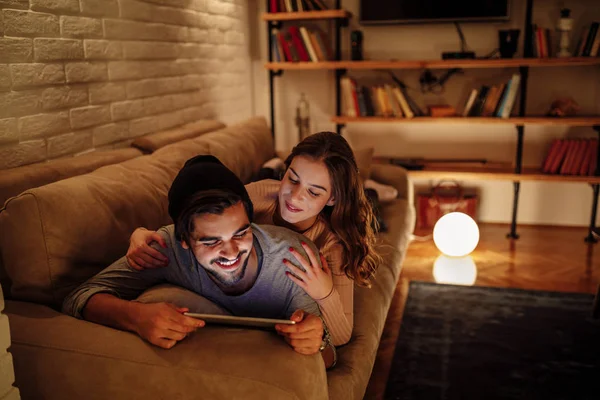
303	117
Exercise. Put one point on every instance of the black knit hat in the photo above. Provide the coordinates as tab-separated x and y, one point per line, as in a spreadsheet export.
204	172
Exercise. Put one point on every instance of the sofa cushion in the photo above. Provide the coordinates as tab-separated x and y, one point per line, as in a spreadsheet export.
76	227
242	147
151	143
60	357
16	180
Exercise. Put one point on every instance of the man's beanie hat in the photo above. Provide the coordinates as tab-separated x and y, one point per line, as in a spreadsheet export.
201	173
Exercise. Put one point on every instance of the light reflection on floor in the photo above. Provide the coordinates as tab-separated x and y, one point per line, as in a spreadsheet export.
455	270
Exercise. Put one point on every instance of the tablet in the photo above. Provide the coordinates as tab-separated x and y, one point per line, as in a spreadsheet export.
240	321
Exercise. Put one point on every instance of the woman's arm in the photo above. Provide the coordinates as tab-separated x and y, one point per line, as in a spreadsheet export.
140	255
329	287
338	307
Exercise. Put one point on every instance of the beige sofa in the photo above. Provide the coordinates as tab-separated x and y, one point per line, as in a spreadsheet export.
54	237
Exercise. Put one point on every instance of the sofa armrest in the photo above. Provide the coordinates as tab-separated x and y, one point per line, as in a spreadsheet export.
395	176
59	357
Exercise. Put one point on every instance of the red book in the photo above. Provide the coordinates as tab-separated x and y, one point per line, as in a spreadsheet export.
551	154
540	42
273	6
286	48
560	155
592	170
578	157
568	157
587	158
298	44
355	96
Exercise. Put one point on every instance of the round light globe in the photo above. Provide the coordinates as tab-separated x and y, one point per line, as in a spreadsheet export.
456	234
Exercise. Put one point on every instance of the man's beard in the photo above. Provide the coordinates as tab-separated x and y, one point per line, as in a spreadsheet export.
229	279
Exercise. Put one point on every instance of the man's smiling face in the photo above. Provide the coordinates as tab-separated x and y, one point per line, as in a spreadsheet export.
222	244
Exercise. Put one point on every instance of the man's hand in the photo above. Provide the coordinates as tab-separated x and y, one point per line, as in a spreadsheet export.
140	255
163	324
306	335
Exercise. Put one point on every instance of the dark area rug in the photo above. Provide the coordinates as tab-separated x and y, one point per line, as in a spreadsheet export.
459	342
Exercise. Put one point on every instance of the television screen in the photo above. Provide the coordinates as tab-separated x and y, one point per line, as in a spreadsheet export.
418	11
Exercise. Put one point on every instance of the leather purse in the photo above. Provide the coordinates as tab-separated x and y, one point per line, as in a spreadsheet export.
444	198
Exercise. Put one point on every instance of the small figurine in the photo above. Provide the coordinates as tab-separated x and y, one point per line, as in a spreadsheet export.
564	107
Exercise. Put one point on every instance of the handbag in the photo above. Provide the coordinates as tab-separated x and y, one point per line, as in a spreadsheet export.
444	198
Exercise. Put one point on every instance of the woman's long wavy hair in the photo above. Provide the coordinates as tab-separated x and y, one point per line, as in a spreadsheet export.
351	217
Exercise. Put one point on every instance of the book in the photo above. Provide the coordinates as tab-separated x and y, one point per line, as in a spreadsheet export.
277	55
581	43
469	103
489	105
347	97
298	43
479	102
308	44
578	155
590	39
315	44
285	46
395	106
511	96
560	155
594	159
550	155
323	43
408	113
411	103
566	164
368	101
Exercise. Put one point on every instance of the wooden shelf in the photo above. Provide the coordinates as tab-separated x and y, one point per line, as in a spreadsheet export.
437	64
535	120
499	175
306	15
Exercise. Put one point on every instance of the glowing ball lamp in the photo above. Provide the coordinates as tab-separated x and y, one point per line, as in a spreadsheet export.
456	234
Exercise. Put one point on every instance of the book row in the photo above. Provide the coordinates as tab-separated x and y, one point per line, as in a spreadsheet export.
299	43
380	100
572	157
493	100
296	5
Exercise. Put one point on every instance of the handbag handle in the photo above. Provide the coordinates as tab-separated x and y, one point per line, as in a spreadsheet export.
452	184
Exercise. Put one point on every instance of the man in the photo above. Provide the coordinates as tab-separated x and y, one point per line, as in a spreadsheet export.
215	252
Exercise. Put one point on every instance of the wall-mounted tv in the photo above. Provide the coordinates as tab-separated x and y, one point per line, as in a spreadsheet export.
422	11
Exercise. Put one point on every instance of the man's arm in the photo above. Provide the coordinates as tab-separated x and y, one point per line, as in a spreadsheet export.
161	324
118	280
104	299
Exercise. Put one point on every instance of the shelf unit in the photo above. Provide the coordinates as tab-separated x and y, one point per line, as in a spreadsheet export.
533	120
436	64
516	175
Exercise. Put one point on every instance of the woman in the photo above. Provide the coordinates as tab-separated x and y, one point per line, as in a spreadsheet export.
321	196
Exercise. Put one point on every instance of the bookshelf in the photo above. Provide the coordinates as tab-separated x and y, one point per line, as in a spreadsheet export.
306	15
500	175
539	120
517	173
437	64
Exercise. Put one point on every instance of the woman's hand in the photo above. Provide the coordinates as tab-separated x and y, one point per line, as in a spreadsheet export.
317	282
141	255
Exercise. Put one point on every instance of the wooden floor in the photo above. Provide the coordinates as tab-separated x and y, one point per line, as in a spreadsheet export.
544	258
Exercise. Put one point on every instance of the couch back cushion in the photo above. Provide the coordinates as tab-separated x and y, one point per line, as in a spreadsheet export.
155	141
242	147
16	180
56	236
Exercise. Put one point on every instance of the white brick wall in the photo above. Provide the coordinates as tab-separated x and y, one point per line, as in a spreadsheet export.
76	75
